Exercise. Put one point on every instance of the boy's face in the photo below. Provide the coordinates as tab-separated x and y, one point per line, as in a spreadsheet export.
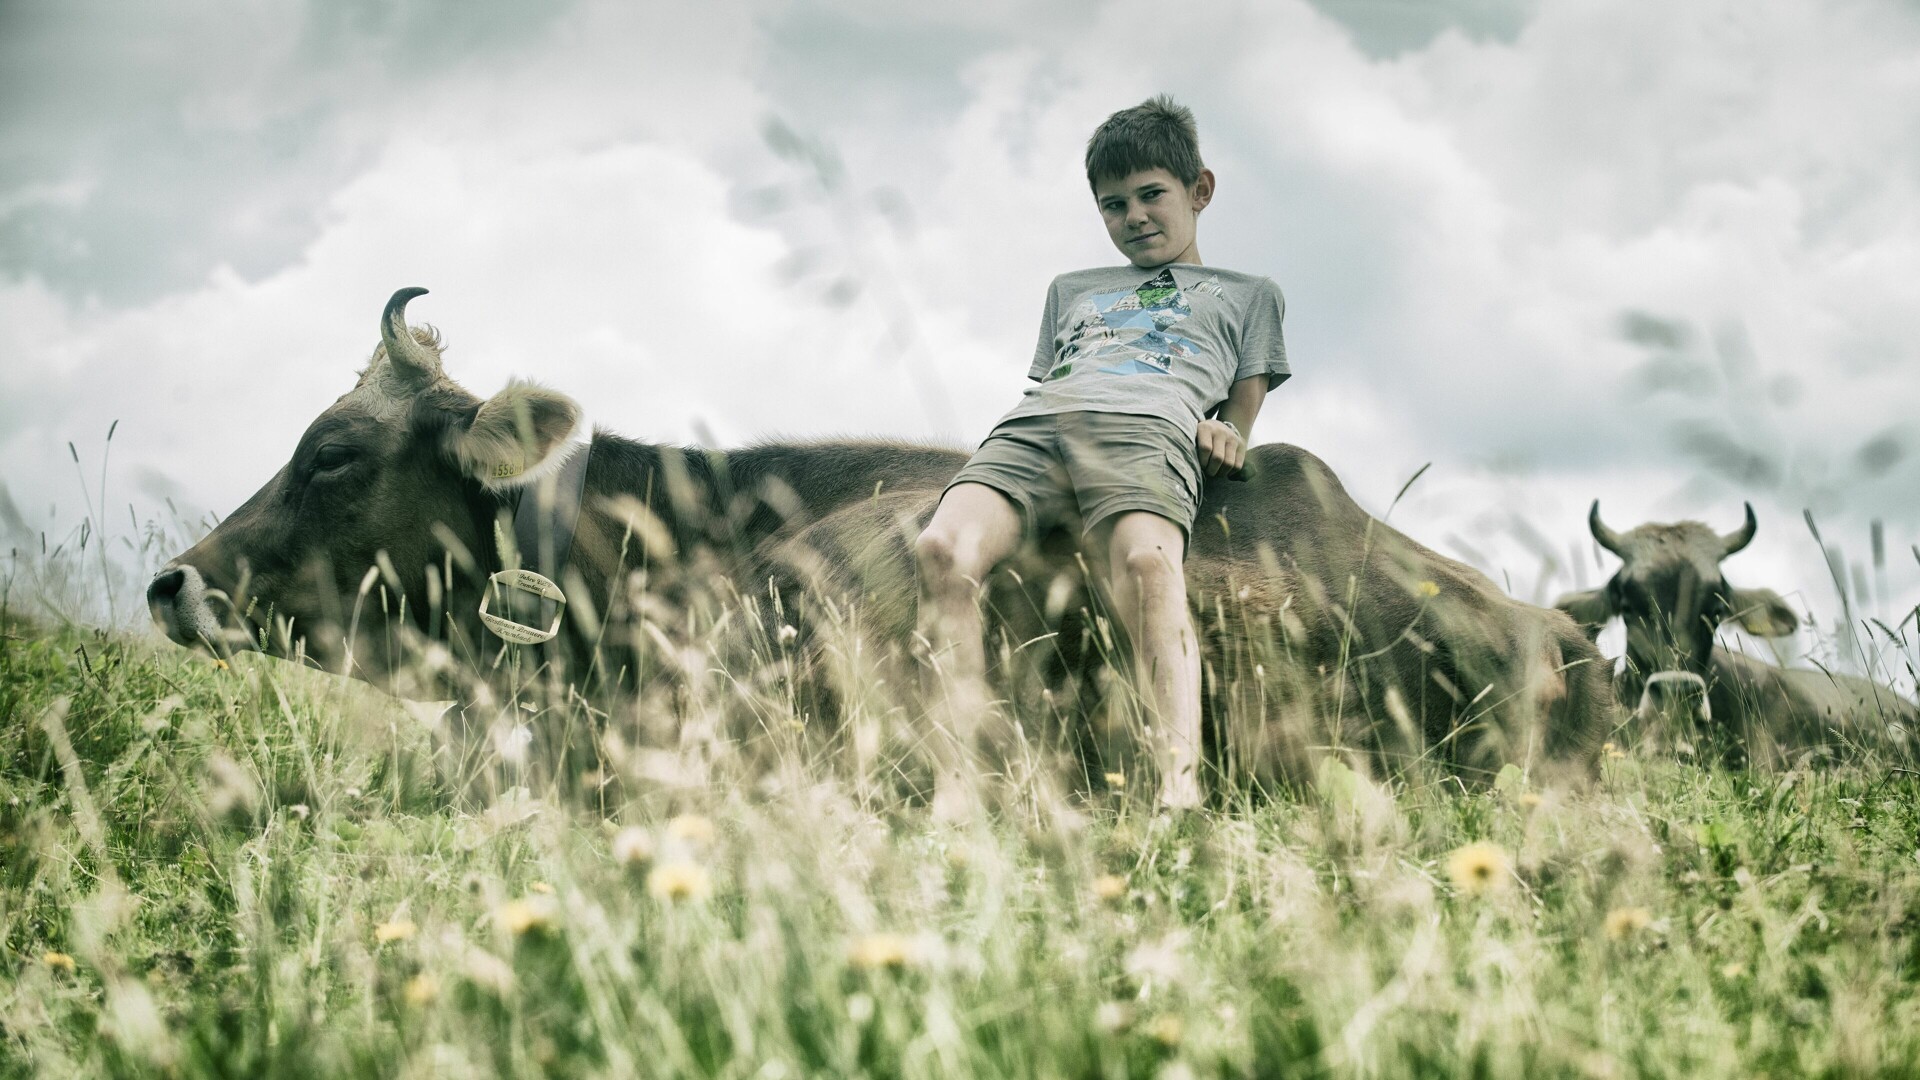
1152	217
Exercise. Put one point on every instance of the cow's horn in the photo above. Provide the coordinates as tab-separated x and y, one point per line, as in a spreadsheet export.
402	349
1607	537
1741	536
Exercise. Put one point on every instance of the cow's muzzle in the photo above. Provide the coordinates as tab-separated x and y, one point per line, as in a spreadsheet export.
183	606
1674	693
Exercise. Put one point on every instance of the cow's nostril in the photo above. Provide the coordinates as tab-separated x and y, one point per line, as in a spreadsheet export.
166	585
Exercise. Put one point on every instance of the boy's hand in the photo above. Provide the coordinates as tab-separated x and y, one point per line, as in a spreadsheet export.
1222	450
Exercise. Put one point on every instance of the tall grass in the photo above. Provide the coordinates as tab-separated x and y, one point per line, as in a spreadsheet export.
246	868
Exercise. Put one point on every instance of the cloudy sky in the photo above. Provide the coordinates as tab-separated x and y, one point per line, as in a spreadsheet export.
1664	255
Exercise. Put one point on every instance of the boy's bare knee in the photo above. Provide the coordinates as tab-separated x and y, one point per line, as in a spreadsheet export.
942	562
1152	571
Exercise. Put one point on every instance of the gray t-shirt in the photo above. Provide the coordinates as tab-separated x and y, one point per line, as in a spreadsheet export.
1166	342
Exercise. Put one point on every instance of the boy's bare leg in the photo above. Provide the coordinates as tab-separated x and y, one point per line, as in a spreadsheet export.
973	528
1145	557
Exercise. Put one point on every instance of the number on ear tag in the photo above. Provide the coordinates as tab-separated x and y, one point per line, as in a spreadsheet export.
525	581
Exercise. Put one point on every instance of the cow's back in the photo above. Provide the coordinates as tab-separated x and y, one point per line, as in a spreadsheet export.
1291	582
1780	711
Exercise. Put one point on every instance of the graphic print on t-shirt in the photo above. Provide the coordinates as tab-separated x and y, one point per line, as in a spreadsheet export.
1129	333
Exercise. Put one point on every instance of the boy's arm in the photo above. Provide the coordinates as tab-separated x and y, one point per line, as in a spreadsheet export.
1263	366
1223	448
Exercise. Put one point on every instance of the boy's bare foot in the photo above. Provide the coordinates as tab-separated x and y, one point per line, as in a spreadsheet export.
1179	782
1180	793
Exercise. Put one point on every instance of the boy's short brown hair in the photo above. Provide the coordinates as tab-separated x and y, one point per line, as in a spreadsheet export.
1157	133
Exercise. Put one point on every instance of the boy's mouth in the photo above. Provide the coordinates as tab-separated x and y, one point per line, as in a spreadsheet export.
1143	239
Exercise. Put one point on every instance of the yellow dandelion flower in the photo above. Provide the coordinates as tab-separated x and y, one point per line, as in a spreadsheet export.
421	990
677	881
1117	781
540	887
1733	970
1479	868
1428	589
1623	923
1109	887
1166	1029
633	847
691	829
58	961
221	664
397	930
1530	799
528	915
883	950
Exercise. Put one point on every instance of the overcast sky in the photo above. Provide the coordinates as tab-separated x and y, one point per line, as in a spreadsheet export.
1667	255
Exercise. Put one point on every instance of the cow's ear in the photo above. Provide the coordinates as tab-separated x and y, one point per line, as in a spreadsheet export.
518	434
1762	613
1590	608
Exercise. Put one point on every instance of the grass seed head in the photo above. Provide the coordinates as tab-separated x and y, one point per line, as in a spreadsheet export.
489	972
633	847
692	830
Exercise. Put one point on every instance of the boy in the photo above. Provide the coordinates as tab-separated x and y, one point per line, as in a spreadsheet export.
1147	375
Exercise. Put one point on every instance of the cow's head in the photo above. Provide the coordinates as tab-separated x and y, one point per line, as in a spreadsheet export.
1672	596
390	492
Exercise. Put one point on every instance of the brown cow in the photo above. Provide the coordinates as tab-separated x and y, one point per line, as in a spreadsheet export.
1672	595
1320	622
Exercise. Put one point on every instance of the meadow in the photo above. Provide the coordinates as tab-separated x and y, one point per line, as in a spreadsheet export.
246	868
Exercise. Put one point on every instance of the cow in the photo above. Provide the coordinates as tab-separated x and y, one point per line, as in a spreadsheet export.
1673	596
1323	628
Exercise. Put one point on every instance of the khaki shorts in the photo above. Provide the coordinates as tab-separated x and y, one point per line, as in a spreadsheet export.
1082	468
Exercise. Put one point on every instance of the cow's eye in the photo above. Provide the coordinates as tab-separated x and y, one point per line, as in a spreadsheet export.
330	458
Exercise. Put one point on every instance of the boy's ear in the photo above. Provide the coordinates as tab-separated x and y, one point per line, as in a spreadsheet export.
518	434
1591	609
1762	613
1202	190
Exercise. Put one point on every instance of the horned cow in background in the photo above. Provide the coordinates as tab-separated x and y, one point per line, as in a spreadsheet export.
1673	597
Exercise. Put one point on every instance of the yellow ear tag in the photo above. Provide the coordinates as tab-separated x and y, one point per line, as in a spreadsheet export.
525	581
505	470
